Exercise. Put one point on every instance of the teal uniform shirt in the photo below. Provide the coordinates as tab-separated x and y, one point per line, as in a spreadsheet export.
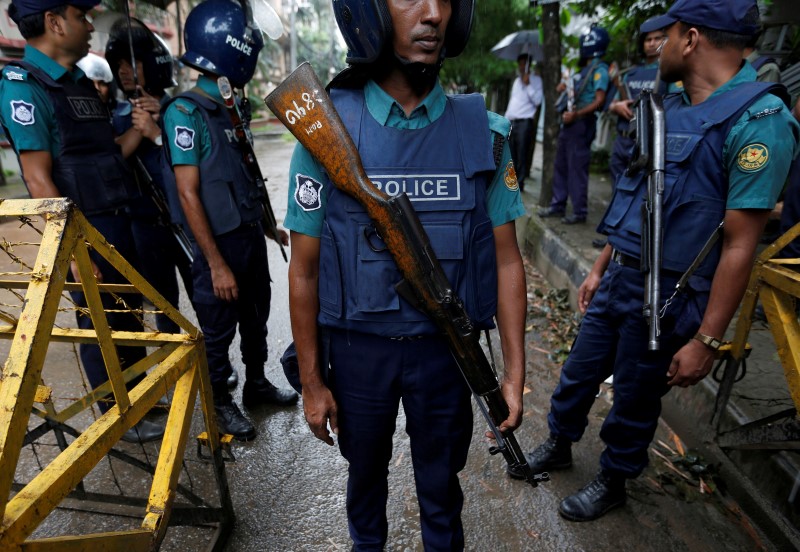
504	203
187	134
25	108
598	80
756	158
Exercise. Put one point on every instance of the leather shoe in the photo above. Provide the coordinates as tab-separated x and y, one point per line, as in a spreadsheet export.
233	380
550	212
553	454
143	432
604	493
262	391
231	420
573	219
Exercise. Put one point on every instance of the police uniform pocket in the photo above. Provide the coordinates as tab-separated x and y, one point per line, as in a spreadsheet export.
220	205
330	287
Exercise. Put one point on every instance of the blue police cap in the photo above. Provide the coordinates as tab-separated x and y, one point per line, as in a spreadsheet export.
651	25
722	15
23	8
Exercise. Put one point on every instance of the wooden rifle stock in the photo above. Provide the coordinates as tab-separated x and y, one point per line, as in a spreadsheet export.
302	104
244	139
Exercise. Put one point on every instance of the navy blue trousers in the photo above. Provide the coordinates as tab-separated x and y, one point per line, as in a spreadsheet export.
245	251
370	375
159	255
116	229
571	177
613	340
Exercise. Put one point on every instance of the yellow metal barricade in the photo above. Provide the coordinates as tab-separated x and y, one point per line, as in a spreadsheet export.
175	363
777	285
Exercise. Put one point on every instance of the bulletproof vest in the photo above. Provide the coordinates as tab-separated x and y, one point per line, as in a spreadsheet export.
445	169
696	180
89	168
229	194
151	157
639	78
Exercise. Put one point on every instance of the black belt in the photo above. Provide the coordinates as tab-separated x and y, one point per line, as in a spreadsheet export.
526	119
625	260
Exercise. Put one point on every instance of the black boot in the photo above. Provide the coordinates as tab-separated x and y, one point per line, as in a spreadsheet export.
231	420
604	493
261	391
143	432
553	454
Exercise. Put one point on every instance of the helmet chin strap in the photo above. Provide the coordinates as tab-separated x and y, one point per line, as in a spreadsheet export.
420	74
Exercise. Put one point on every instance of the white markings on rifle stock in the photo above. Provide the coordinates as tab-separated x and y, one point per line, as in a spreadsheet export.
301	111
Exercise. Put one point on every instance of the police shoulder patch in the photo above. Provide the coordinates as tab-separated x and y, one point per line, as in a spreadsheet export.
307	193
184	138
753	158
597	76
15	74
22	112
510	177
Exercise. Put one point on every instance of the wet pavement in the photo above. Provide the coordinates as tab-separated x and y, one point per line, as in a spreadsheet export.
288	488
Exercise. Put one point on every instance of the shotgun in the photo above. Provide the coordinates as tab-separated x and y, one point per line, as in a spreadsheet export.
649	154
244	139
302	104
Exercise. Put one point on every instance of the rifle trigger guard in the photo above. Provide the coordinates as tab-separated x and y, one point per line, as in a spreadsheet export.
369	231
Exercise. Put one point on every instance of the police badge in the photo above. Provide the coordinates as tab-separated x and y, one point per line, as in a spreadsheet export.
22	112
184	138
307	193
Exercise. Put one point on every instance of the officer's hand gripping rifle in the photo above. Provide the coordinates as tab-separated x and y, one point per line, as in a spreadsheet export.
302	104
245	140
649	154
147	185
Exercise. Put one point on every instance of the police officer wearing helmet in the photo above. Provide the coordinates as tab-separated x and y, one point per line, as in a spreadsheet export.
66	153
137	123
410	135
730	142
571	177
220	204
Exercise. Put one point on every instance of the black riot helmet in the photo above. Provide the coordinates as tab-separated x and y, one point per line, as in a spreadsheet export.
149	48
367	26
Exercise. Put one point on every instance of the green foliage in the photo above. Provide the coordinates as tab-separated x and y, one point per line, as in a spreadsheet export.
477	69
622	19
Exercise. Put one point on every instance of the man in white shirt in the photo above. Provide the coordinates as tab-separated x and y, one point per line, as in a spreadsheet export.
526	96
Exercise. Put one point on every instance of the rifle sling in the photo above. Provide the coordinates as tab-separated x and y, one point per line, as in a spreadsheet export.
701	256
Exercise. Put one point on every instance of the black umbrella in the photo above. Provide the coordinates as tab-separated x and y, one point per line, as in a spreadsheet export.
516	44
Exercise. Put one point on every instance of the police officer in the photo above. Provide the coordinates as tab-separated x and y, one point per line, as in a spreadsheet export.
220	204
137	123
382	350
98	71
571	177
636	79
730	141
73	154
